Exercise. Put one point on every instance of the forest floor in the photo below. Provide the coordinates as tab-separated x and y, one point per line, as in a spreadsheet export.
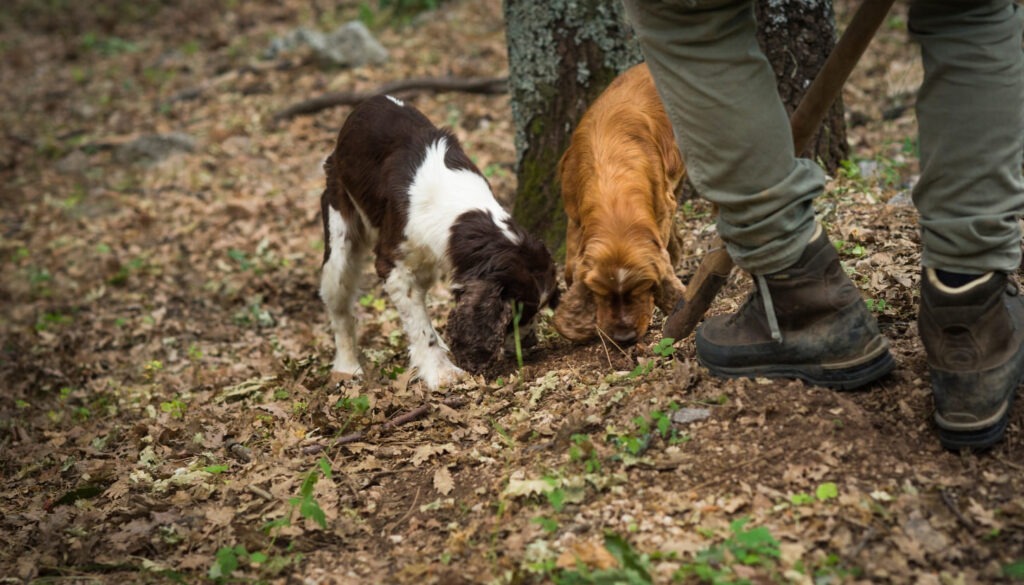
166	408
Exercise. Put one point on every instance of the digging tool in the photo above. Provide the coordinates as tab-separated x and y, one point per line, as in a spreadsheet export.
716	265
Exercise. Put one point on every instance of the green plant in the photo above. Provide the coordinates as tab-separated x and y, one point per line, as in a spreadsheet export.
825	491
356	407
151	368
50	320
241	258
516	317
39	279
755	547
665	348
393	372
176	408
583	450
632	567
370	301
253	314
190	47
107	45
657	423
495	170
549	525
229	558
305	503
876	305
879	169
400	11
1014	570
126	270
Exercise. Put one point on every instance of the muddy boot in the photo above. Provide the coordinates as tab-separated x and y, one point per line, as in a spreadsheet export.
974	338
805	322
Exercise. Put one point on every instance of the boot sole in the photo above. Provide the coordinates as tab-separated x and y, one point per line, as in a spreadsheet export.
977	438
846	378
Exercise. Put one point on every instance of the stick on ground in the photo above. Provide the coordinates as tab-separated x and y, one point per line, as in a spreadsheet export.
403	88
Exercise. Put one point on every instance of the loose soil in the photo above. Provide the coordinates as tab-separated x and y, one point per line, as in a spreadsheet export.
167	407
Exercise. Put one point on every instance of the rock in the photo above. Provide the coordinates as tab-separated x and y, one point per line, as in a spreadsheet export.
901	199
153	148
350	45
73	164
685	416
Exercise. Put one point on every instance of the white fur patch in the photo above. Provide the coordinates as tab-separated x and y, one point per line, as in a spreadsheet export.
427	351
621	276
339	285
438	195
395	100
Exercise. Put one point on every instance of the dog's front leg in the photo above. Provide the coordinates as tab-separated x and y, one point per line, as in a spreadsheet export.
427	351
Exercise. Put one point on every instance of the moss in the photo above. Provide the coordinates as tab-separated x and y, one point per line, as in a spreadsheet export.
553	46
535	63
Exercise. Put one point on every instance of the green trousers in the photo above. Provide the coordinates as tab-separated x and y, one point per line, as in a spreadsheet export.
733	131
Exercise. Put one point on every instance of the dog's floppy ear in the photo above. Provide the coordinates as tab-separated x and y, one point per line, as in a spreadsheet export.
476	327
576	315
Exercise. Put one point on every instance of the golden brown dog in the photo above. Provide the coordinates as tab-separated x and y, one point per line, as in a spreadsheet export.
619	177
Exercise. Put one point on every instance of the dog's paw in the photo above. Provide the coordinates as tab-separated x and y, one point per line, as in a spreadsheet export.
346	366
440	373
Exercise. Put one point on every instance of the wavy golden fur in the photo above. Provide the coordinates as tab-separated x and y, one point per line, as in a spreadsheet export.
619	178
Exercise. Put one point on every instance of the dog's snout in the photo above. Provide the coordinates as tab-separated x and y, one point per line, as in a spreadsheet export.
624	336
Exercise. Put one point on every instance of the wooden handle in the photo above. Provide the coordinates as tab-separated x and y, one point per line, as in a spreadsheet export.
714	268
828	83
710	277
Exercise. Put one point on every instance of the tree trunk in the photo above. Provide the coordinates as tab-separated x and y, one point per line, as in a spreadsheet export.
797	36
561	56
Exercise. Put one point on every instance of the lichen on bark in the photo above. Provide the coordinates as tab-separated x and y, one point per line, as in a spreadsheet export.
562	53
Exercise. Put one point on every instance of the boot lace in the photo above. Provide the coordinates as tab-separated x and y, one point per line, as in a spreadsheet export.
769	308
751	304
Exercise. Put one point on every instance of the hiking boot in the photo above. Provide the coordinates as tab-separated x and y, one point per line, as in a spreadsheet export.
807	321
973	336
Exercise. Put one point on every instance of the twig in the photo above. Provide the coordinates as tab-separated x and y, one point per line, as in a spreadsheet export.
868	535
312	449
601	336
484	85
947	499
415	499
1007	463
412	415
346	439
408	417
260	492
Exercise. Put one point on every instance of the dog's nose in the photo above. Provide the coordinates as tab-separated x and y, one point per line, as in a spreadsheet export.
624	336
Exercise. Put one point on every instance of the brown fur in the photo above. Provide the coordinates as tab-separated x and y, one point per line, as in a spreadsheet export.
619	177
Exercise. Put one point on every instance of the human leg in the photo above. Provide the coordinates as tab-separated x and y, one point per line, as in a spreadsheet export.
805	319
971	119
720	93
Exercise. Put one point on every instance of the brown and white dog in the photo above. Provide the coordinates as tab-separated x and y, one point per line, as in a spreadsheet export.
619	176
405	187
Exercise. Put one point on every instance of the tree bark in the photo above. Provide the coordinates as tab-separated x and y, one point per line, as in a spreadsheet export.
797	36
561	54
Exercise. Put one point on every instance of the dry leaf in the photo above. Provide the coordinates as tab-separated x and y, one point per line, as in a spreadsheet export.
443	481
591	554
